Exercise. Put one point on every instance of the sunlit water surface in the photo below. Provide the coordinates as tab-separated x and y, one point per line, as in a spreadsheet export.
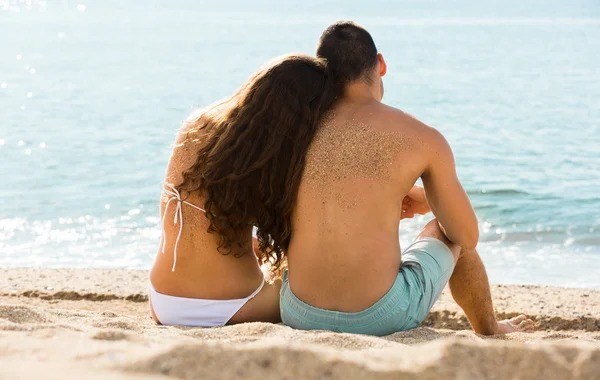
91	94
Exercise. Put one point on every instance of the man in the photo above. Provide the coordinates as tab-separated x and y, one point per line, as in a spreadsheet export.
346	271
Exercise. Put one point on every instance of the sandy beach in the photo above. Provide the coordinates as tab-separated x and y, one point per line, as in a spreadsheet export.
94	324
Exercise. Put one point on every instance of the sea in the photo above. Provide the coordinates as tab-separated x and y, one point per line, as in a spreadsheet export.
92	94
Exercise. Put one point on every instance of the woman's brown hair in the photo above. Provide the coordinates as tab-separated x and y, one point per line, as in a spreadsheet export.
253	150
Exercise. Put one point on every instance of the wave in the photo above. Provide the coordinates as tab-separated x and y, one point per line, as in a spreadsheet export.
498	192
544	237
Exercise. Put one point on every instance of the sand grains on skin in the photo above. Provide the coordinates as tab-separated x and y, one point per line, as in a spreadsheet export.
350	150
344	154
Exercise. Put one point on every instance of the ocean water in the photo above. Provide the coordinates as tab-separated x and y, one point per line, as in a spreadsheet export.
92	93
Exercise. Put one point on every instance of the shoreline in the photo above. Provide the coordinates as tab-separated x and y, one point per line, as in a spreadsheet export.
95	323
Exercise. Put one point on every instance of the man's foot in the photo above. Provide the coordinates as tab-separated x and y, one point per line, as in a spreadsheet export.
517	324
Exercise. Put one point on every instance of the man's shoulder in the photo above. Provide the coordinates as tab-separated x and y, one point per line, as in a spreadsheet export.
403	122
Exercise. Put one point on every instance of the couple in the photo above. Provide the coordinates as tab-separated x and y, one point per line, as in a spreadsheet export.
306	152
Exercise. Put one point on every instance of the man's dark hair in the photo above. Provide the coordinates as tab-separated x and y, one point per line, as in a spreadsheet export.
349	50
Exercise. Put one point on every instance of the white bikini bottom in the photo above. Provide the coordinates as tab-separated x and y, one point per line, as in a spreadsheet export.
180	311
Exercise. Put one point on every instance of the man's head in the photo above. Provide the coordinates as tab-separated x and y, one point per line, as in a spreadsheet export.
351	54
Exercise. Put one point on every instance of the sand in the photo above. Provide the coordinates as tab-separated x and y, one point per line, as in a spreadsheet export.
94	324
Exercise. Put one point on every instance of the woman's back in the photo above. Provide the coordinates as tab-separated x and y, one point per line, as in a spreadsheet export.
198	270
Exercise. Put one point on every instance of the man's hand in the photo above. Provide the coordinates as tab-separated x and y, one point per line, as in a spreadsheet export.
415	202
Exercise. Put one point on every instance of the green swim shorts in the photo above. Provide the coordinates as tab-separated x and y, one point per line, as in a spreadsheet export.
427	265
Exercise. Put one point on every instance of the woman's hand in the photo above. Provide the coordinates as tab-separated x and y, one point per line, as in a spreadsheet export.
415	202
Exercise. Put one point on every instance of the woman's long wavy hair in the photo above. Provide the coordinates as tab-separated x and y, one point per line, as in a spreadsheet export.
253	150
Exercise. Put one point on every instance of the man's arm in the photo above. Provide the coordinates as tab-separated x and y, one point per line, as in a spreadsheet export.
446	197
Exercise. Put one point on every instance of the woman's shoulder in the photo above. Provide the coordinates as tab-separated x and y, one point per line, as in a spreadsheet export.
185	147
189	141
209	111
194	116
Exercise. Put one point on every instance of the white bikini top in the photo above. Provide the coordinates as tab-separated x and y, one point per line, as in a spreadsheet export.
174	195
171	310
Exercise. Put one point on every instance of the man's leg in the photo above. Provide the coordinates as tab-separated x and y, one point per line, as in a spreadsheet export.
471	290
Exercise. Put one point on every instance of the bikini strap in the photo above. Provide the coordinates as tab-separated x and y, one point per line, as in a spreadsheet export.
174	195
257	290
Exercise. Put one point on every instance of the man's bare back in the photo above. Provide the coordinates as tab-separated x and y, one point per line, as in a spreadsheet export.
345	268
362	163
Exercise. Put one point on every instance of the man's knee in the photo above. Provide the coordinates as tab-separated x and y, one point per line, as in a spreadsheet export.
433	230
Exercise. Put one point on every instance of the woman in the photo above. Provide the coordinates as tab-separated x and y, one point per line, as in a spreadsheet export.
236	166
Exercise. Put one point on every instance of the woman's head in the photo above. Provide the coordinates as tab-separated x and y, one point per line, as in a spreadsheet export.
252	151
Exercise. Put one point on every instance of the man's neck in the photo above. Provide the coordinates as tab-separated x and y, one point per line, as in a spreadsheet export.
361	91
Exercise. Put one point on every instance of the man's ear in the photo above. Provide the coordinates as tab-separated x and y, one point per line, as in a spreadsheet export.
382	65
